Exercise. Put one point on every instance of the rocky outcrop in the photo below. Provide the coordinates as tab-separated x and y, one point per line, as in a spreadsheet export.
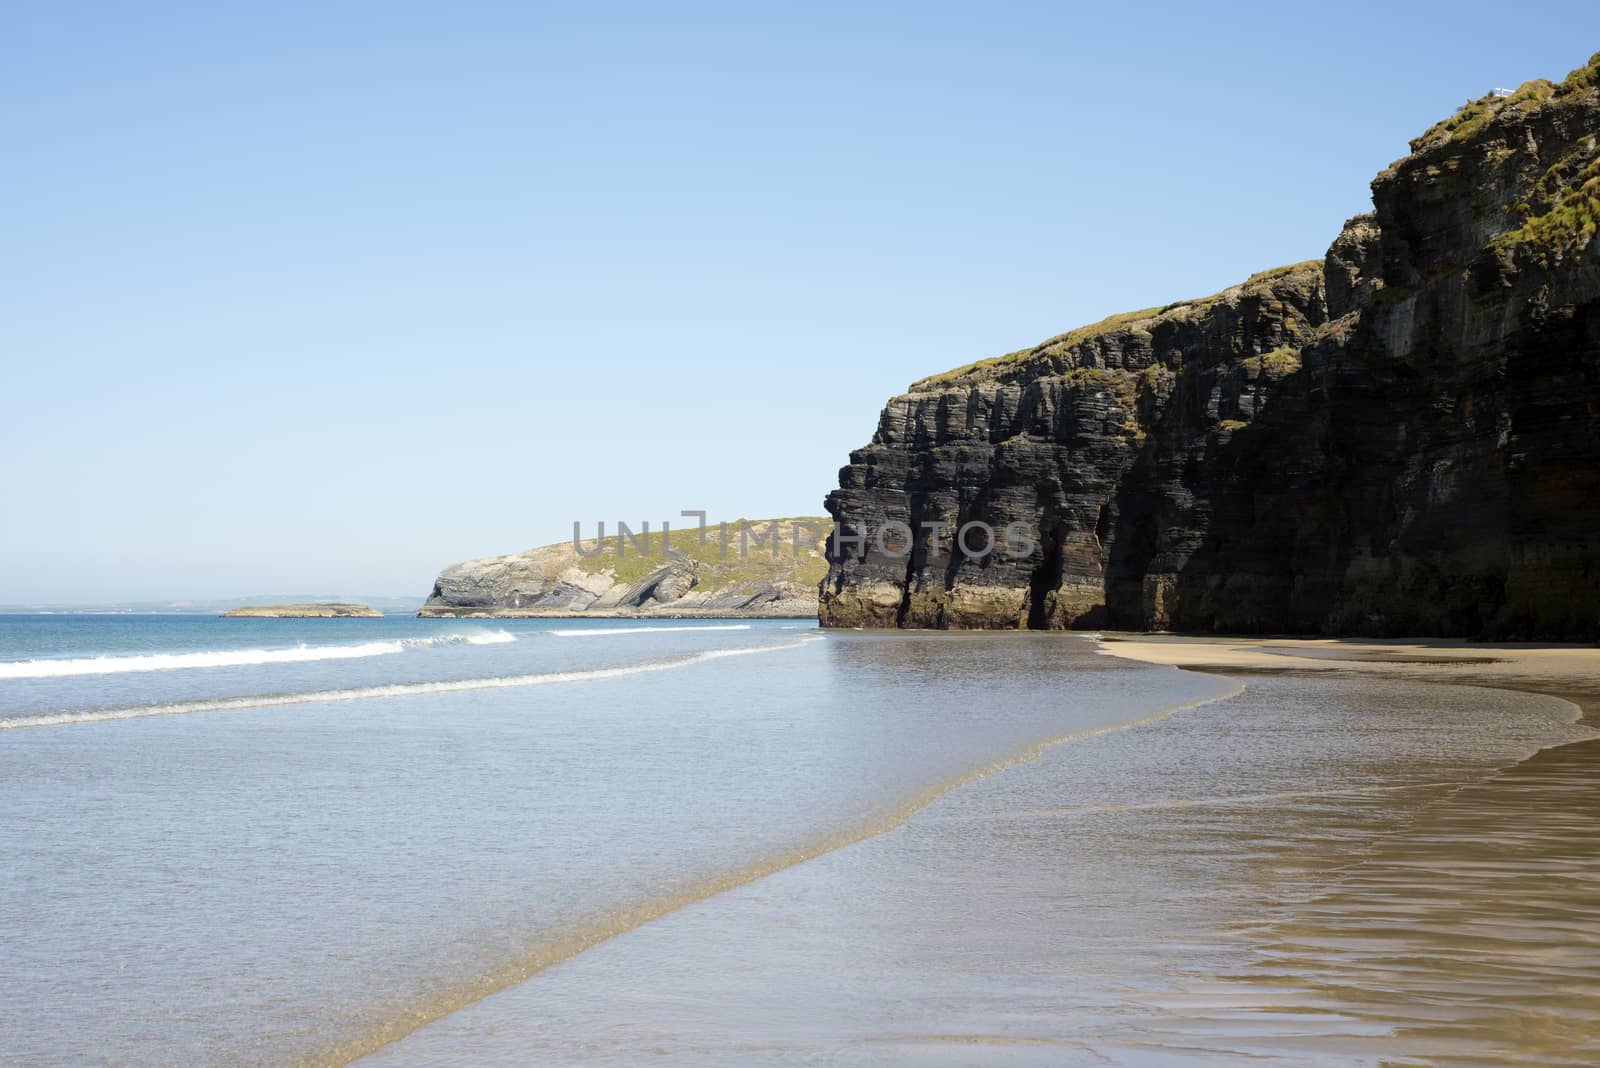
1402	438
749	568
303	611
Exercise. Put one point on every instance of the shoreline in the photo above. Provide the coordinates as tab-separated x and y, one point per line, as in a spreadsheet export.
1289	894
1482	888
528	613
1566	671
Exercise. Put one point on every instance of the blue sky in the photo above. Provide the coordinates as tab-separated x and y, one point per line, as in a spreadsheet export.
300	299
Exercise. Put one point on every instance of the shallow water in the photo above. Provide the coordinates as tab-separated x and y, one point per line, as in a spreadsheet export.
1319	871
284	841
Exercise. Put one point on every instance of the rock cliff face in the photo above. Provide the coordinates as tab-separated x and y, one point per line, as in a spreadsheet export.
1403	438
765	568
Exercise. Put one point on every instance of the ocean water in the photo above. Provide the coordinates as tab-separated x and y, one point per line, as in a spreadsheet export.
1316	872
302	841
425	842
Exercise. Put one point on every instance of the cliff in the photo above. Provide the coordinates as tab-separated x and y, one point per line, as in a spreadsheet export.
764	568
1400	439
302	611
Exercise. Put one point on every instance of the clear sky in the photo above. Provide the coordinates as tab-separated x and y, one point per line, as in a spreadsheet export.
324	297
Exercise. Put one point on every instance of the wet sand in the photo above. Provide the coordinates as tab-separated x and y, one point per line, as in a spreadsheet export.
1377	854
1570	672
1469	933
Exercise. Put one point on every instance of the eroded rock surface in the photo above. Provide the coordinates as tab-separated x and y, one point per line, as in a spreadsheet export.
1401	438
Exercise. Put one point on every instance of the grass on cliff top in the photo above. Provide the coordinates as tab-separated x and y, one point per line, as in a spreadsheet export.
1272	274
1110	324
1075	336
1477	115
1585	77
758	564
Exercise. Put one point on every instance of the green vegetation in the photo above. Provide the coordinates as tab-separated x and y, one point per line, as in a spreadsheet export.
1478	114
1472	119
1120	321
1570	197
1535	92
933	381
1062	343
1052	347
1466	122
1564	174
1574	221
1585	77
759	563
1280	361
1088	376
1274	273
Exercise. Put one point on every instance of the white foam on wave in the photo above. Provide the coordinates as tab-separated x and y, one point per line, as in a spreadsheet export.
587	631
481	637
214	658
399	689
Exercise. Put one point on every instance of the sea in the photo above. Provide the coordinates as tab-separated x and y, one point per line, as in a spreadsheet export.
402	841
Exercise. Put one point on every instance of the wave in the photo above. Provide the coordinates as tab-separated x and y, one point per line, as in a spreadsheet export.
477	637
398	689
586	631
213	658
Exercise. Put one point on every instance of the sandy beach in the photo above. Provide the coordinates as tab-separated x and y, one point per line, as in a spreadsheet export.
1570	672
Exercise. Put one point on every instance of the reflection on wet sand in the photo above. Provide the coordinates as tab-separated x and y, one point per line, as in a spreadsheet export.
1466	931
1352	866
1467	934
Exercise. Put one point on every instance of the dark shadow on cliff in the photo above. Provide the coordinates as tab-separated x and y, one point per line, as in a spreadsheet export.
1046	578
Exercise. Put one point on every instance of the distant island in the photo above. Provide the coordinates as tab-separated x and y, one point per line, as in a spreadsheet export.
767	568
303	611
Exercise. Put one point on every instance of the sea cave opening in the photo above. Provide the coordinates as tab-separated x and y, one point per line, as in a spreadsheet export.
1046	578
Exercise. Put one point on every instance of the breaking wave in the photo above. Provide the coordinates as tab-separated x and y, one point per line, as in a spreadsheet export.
214	658
399	689
585	632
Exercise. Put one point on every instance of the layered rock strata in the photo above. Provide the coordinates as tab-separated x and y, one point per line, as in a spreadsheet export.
1402	438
